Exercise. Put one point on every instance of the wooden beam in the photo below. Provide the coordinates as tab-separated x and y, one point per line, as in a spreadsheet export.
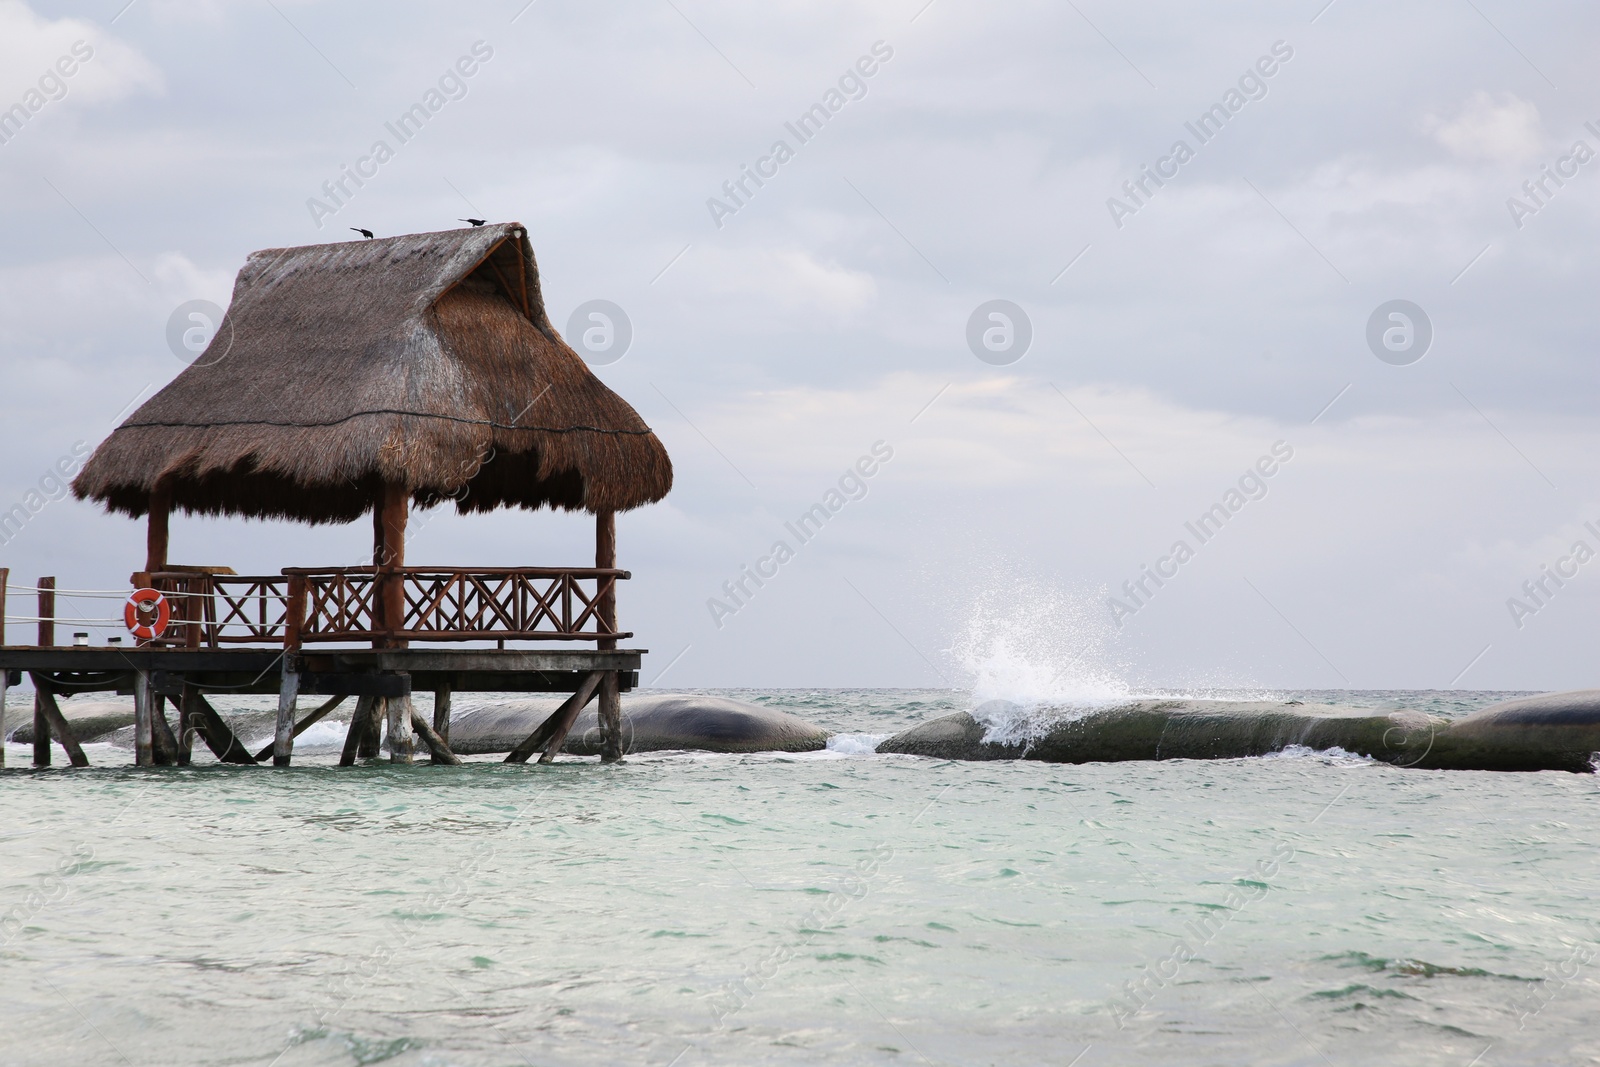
155	540
143	726
436	744
300	727
216	734
522	282
5	675
283	740
56	722
553	730
163	744
5	580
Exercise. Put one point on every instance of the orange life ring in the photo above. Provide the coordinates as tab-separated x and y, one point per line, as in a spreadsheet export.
138	610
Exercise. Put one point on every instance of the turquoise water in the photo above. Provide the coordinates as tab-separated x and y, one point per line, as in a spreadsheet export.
830	907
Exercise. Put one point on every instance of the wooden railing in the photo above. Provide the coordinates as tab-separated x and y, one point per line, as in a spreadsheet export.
347	604
211	609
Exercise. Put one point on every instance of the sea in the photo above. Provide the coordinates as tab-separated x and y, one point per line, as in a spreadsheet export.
832	907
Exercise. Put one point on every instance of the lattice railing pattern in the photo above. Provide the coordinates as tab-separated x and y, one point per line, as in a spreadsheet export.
305	605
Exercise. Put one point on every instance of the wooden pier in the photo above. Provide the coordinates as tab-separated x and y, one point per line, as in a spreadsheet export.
348	380
204	655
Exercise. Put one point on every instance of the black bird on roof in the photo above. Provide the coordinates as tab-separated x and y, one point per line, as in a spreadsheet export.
365	233
475	222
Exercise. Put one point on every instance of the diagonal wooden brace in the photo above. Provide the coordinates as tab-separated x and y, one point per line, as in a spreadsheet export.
436	744
553	731
50	711
218	738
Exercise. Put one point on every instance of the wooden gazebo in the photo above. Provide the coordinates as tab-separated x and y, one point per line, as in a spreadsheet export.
367	378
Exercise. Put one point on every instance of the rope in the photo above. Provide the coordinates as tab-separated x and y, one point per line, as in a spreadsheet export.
112	594
69	592
56	618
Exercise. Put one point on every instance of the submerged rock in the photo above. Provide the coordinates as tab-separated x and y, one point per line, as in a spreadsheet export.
1559	731
650	723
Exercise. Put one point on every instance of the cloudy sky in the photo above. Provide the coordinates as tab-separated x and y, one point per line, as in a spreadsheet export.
1179	331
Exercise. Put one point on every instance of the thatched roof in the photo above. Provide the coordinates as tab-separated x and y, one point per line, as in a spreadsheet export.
425	359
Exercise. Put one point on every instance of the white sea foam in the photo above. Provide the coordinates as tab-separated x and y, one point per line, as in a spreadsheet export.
1035	657
855	744
321	733
1334	755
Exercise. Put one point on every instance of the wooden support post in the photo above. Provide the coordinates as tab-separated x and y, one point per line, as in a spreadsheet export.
155	538
605	556
300	727
400	742
610	718
437	745
441	712
5	675
218	738
185	728
360	723
47	612
389	556
41	730
369	743
294	618
143	726
162	743
5	580
48	720
553	731
288	691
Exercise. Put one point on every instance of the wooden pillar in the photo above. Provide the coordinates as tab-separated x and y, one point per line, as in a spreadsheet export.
185	730
41	730
288	692
361	724
610	711
5	580
400	739
143	721
610	704
389	557
162	742
155	537
47	612
5	681
605	557
369	741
